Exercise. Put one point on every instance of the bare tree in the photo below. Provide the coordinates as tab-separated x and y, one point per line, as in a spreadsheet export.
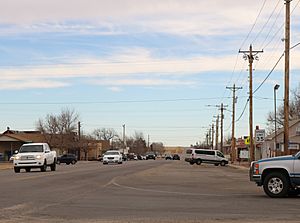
294	112
158	147
59	130
105	134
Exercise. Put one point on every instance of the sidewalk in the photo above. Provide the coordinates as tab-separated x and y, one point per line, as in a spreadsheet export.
5	165
240	165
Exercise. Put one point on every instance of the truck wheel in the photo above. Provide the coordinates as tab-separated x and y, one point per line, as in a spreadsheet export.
199	162
192	163
17	169
216	164
44	167
27	169
73	162
222	163
53	166
276	185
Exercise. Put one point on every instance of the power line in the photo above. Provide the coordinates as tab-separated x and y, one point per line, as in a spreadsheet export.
273	69
243	111
109	102
263	5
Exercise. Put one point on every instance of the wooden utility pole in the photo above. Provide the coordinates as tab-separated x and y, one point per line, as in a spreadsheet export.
286	79
124	138
251	56
79	133
222	118
212	136
217	133
234	99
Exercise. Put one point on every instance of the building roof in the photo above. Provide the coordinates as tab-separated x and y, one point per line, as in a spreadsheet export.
281	130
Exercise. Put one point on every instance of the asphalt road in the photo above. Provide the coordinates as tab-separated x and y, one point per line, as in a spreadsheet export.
139	191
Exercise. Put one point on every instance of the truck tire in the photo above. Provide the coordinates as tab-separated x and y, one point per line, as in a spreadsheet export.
223	163
198	162
17	169
44	167
53	166
276	184
73	162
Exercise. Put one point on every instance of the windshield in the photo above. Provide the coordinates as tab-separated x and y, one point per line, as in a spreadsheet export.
111	153
31	149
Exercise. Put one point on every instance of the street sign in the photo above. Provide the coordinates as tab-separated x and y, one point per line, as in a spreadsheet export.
247	141
260	135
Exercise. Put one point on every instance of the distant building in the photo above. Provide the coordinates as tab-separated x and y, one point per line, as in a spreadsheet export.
86	149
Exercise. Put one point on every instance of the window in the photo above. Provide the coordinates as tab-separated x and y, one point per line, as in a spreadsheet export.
220	154
205	152
31	149
189	151
298	131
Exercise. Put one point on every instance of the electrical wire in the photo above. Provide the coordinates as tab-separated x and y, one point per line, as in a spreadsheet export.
254	24
273	69
243	111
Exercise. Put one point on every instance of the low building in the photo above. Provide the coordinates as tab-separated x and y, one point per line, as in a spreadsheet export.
271	148
86	149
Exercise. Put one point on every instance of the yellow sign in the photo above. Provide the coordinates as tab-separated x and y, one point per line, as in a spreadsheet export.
247	141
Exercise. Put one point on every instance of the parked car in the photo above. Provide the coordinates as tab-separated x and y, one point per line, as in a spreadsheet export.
67	159
199	156
150	155
168	157
176	157
112	156
100	158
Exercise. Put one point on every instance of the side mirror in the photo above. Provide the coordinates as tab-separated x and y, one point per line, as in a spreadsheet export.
47	151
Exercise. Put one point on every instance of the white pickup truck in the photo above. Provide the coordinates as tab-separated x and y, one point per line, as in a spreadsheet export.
34	155
279	176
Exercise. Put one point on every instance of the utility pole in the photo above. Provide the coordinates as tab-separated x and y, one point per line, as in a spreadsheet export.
286	79
148	141
209	136
212	136
234	100
79	133
222	118
251	56
217	133
124	139
222	107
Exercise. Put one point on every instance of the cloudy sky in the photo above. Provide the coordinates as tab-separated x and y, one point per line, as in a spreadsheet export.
154	66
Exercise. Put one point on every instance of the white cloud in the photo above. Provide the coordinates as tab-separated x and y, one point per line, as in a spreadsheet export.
19	85
115	16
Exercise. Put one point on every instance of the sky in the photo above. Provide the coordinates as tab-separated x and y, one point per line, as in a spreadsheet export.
159	67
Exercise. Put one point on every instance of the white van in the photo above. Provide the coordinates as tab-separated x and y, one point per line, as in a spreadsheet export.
199	156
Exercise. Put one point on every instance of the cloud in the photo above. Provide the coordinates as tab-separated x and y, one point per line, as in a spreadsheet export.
127	63
19	85
141	82
189	17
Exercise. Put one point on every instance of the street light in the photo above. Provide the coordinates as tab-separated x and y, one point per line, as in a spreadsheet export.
275	118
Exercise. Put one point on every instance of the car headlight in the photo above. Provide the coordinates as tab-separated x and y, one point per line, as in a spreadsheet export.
38	156
16	158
